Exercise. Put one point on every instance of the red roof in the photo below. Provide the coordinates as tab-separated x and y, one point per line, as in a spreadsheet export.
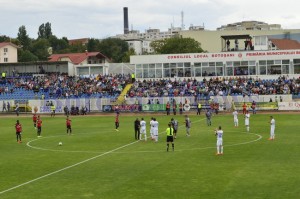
285	44
8	43
78	41
76	58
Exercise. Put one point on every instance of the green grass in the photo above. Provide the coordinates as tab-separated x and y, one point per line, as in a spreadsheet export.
98	162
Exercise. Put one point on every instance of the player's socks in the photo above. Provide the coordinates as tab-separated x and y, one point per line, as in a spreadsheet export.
173	146
248	128
167	147
221	149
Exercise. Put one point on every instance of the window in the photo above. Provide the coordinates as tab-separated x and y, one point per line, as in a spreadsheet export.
5	59
5	50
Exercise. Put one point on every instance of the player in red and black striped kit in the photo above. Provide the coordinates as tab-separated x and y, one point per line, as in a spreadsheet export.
34	118
18	127
117	124
68	124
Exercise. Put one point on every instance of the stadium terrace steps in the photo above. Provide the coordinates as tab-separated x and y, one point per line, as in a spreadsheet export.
121	97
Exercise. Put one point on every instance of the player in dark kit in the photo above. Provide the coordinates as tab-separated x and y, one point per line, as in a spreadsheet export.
137	126
18	127
117	124
68	124
34	118
39	126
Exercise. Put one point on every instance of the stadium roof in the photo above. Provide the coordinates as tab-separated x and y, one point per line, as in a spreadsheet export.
286	44
77	58
229	37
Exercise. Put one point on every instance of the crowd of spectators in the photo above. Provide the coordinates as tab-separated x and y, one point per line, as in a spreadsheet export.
214	87
53	86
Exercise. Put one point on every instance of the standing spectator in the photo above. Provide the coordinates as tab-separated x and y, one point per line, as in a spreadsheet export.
208	117
8	106
132	78
52	109
174	123
180	108
272	131
39	126
187	125
17	109
219	134
117	124
199	107
236	42
18	127
235	118
168	108
228	45
244	108
170	136
247	121
253	106
137	129
174	107
246	44
68	125
4	106
143	129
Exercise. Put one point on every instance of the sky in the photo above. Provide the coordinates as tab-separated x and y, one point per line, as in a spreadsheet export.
104	18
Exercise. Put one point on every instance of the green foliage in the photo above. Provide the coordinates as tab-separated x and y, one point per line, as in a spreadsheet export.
58	45
40	49
26	56
127	55
113	48
4	38
45	31
92	45
176	45
23	38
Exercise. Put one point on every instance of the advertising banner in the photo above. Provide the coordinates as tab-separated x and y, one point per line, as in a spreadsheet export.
289	106
122	108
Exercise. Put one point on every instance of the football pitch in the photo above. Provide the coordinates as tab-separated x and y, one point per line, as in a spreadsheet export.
99	162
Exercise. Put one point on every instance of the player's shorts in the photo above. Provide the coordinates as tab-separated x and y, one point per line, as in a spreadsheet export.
219	142
155	132
170	139
143	131
247	123
236	120
69	127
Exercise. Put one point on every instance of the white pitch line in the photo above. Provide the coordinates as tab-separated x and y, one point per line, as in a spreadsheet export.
68	167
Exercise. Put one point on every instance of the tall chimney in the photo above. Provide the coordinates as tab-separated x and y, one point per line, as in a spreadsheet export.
126	28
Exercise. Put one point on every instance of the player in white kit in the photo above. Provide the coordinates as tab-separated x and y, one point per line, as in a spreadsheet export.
219	134
151	129
143	129
272	131
235	118
247	121
155	129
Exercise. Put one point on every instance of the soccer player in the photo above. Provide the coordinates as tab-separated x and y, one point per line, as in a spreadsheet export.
34	118
180	108
68	125
208	117
155	129
143	129
174	126
253	106
235	118
170	136
219	134
187	125
52	109
117	124
272	131
174	107
247	121
18	127
39	126
152	129
168	108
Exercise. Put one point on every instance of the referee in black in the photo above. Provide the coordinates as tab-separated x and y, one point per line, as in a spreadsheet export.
170	137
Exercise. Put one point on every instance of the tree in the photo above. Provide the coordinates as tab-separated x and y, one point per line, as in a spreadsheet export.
58	45
40	49
26	56
45	31
4	38
113	48
176	45
92	45
126	57
24	38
